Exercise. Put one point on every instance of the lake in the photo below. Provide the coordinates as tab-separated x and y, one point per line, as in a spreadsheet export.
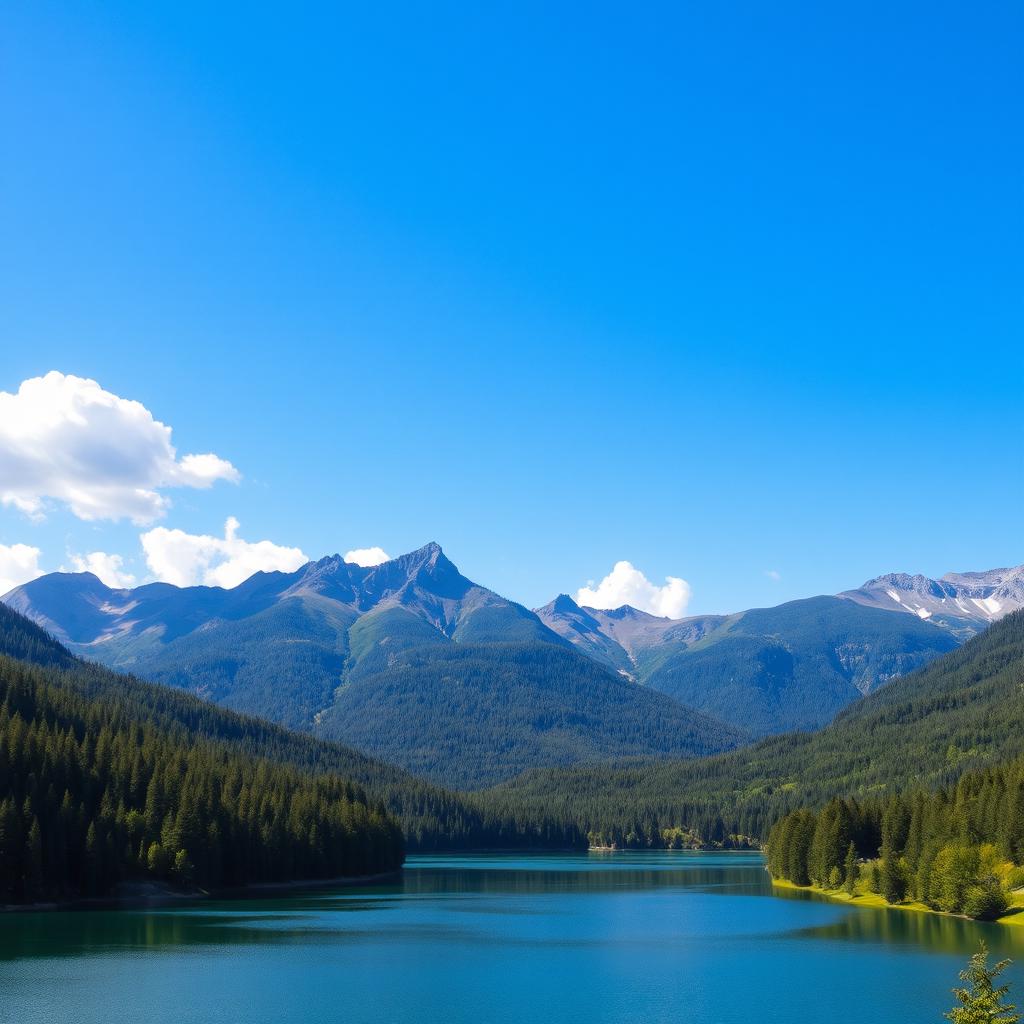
648	937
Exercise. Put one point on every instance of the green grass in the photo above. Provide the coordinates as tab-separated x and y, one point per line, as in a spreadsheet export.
864	898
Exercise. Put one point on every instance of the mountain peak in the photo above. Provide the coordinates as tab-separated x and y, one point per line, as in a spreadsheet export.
627	611
429	558
430	553
79	582
564	604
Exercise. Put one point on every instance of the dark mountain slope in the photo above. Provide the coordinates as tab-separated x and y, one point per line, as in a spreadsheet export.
431	818
95	791
796	665
277	644
469	715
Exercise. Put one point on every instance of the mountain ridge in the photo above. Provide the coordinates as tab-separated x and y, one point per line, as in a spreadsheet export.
766	670
409	660
424	580
961	602
328	646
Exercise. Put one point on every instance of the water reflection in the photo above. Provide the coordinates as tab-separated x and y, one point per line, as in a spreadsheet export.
435	894
917	930
744	876
71	934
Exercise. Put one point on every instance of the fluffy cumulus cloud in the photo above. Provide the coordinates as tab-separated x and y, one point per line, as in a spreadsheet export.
19	563
367	556
626	584
109	568
64	439
186	559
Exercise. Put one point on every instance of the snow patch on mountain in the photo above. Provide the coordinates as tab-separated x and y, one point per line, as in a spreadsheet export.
961	602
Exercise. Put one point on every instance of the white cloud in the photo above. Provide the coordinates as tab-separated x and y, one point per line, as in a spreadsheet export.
19	563
109	568
626	584
773	574
63	438
187	559
367	556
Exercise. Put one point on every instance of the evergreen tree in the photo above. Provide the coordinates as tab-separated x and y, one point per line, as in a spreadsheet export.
892	877
850	869
981	1002
34	881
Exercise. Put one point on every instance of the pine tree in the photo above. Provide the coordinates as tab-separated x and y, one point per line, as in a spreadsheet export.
981	1002
34	880
893	878
93	866
850	869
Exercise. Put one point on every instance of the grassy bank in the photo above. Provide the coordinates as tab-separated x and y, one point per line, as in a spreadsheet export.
1014	916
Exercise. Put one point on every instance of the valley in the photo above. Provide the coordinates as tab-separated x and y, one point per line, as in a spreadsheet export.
473	723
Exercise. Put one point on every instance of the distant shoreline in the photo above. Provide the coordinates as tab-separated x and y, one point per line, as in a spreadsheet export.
155	894
669	849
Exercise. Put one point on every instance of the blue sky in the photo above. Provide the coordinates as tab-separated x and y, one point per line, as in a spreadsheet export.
722	291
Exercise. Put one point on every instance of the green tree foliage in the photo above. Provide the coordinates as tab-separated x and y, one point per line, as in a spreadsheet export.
432	818
851	871
469	715
93	792
933	847
981	1001
895	830
832	832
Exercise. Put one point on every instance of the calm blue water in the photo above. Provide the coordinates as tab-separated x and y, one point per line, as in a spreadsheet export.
651	937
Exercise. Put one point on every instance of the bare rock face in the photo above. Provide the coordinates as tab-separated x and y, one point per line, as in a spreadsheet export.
100	622
961	602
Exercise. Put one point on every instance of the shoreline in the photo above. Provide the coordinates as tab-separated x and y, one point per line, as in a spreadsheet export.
154	894
669	849
1013	918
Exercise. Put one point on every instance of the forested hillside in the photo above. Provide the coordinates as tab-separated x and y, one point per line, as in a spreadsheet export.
962	712
470	715
431	818
91	795
797	665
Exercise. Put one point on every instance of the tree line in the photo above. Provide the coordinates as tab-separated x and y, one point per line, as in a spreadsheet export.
91	795
958	849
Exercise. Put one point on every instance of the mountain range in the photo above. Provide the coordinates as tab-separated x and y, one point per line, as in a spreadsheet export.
412	662
766	670
794	666
409	661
